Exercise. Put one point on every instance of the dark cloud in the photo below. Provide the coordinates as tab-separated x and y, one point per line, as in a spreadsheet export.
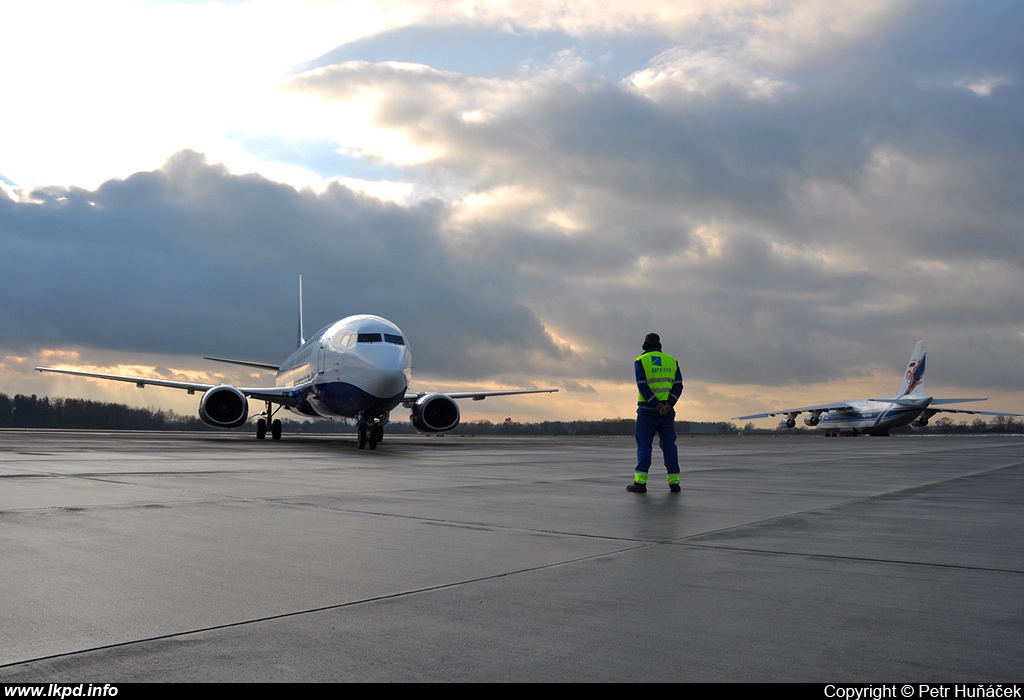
190	259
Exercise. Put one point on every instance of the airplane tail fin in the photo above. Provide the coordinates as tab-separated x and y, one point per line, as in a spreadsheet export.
302	333
913	379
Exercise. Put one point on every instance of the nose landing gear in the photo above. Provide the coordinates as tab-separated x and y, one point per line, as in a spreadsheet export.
370	431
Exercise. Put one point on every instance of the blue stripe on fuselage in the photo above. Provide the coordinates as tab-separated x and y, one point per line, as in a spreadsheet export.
343	399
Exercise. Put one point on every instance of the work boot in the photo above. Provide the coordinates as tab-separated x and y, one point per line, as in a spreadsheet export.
675	488
637	488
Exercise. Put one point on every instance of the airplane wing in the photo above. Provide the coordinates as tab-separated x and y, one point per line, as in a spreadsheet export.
282	395
929	412
932	410
247	363
409	399
821	408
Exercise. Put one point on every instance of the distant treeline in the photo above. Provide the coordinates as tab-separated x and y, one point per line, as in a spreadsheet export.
43	412
607	426
33	412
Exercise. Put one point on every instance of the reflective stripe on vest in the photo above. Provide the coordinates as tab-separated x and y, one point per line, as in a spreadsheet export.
660	370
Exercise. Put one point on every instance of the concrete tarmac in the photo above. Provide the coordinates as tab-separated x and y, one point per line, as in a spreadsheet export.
214	557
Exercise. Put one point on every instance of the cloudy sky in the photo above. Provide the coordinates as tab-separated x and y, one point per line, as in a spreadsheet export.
792	194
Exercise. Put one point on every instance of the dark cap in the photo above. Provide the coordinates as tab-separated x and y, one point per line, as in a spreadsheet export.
652	341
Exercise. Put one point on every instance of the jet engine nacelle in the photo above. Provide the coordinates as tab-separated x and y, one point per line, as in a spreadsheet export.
790	422
223	406
921	422
434	413
811	420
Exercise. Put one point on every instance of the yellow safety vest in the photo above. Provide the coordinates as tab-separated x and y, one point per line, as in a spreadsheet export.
660	370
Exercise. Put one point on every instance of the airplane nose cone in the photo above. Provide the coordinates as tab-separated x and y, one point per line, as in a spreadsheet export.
387	383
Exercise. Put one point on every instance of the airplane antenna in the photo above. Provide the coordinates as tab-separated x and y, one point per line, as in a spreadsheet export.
302	334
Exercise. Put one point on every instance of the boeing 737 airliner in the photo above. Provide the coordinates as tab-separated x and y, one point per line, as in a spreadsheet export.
358	367
878	416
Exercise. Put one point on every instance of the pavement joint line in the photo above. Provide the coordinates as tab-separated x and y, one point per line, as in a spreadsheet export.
216	498
319	609
490	526
847	557
859	499
475	525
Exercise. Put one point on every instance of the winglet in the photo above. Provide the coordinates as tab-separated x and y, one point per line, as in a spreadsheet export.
302	334
913	379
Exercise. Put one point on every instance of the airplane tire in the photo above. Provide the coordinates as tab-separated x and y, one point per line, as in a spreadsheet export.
275	430
261	429
372	437
362	437
380	433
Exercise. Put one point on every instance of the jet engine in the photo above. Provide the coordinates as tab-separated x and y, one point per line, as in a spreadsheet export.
921	422
790	422
224	406
811	420
434	413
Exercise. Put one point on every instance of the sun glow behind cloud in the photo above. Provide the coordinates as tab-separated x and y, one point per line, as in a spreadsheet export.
117	86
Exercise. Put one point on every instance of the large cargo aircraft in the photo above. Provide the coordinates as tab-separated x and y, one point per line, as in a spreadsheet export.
878	416
358	367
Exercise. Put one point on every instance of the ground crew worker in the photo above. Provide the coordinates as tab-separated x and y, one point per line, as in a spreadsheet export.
659	383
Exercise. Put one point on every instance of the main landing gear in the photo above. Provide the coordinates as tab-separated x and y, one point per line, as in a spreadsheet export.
370	432
275	425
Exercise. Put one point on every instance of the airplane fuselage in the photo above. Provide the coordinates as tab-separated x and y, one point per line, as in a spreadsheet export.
876	417
358	365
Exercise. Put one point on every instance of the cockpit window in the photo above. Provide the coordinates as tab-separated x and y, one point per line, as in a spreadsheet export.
369	337
394	339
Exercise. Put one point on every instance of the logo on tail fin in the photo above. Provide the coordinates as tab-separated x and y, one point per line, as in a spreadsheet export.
915	374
